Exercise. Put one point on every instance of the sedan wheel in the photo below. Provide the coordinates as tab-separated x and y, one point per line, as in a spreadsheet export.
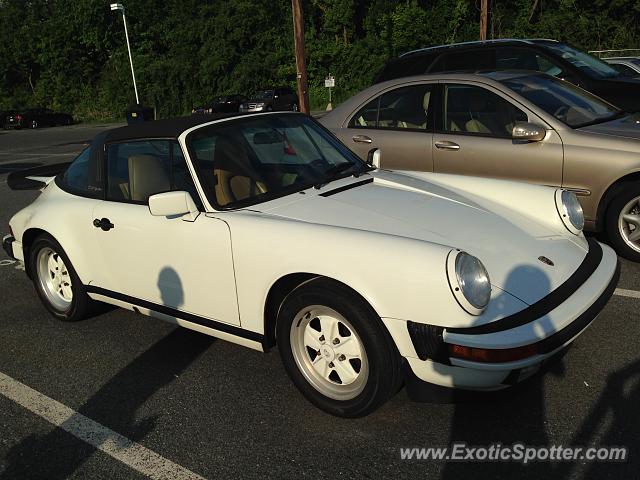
623	223
336	349
55	280
629	223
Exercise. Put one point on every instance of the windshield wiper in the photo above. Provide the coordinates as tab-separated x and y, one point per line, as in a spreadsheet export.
333	173
339	168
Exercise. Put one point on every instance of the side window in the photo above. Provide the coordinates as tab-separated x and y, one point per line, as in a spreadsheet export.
510	58
405	107
402	108
464	61
137	170
82	176
475	110
181	176
367	116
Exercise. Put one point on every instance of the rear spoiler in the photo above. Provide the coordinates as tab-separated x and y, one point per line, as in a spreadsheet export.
35	178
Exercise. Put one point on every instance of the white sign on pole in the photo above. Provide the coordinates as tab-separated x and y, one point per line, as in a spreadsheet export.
330	82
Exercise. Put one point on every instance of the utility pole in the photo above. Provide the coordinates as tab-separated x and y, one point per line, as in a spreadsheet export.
484	16
301	64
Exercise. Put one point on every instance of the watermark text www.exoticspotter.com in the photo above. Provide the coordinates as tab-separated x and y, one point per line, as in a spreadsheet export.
518	452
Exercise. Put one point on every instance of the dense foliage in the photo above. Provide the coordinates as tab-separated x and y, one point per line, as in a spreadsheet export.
71	55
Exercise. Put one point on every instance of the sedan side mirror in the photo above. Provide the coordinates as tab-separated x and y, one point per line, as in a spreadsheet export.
374	157
170	204
529	132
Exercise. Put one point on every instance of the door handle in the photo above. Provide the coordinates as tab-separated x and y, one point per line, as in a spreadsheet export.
447	145
103	223
361	139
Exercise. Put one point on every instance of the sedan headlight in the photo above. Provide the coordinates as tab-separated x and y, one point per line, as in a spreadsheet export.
469	281
570	211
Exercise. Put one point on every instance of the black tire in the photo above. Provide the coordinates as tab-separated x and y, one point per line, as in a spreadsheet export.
269	108
616	239
81	304
383	360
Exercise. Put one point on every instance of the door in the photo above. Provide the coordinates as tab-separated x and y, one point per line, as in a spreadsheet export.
398	122
168	261
473	137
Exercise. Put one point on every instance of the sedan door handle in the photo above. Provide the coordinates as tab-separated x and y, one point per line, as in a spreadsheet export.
362	139
447	145
103	223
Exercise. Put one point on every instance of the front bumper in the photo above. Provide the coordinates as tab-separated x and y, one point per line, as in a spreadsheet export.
7	246
252	110
13	248
544	328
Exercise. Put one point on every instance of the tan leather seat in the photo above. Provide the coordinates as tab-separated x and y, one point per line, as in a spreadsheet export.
476	126
147	177
234	175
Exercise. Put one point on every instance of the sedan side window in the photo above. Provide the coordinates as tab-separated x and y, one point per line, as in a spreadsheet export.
367	116
137	170
475	110
402	108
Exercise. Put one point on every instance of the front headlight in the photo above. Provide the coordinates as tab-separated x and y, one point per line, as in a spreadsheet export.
570	211
469	281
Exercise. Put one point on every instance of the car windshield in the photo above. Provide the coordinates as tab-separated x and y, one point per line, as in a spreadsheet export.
585	62
262	95
250	160
566	102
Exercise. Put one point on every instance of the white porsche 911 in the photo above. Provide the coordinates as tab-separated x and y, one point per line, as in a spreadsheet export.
265	230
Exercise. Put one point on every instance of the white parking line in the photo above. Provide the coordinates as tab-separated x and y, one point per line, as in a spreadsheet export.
627	293
117	446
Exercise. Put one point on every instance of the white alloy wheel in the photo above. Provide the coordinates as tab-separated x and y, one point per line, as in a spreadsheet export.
329	352
54	278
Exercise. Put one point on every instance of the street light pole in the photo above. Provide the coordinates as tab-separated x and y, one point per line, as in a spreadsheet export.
119	6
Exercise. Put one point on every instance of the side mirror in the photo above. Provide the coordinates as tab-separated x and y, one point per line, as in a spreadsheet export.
529	132
171	204
374	157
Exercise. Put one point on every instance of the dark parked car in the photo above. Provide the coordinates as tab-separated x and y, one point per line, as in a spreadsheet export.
548	56
222	104
281	98
37	117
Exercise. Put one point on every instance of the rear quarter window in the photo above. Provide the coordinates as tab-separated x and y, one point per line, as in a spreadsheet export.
83	176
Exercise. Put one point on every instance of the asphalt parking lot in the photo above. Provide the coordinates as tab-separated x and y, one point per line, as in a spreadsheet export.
197	406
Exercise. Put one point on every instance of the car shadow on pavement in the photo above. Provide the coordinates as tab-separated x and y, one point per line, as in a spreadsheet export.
506	417
115	405
614	421
15	167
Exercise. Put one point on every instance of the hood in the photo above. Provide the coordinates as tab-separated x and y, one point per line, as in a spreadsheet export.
398	205
627	127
